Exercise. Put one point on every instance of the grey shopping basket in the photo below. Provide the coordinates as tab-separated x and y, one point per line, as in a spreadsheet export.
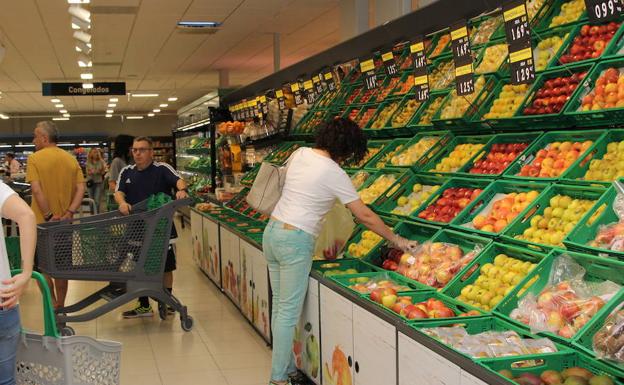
53	360
127	251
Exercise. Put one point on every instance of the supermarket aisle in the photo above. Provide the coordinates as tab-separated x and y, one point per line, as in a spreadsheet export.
221	349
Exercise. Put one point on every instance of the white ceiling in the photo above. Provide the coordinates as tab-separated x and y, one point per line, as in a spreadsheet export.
144	48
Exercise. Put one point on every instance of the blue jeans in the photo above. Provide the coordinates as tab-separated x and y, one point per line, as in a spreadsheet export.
289	256
95	193
9	338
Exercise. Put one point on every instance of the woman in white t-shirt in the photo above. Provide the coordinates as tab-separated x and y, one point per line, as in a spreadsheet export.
14	208
313	182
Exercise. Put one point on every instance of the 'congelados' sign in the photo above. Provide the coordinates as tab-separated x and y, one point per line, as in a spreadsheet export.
76	89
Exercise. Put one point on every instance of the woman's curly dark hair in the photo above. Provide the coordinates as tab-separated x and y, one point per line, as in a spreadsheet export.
343	139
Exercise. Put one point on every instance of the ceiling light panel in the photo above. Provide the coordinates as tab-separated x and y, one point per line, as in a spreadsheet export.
80	13
144	95
163	105
59	105
112	105
172	99
86	76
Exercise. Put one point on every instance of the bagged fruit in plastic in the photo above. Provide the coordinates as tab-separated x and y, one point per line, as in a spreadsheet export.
611	236
608	342
377	286
567	302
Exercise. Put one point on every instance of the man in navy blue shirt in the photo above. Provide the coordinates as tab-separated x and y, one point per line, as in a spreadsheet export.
135	184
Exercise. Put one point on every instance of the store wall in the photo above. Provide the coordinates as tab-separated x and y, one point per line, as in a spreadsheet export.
156	126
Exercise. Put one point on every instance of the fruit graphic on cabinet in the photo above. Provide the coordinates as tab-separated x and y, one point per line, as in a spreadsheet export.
339	373
306	350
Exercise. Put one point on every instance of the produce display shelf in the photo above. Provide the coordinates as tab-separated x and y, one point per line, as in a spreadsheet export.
377	145
502	71
538	207
331	268
464	221
542	143
429	167
356	237
479	122
412	231
475	27
597	270
384	130
424	156
555	10
576	173
348	280
378	162
421	119
390	127
584	232
564	33
488	256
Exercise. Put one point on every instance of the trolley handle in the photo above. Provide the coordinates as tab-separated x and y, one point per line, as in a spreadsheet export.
175	203
49	319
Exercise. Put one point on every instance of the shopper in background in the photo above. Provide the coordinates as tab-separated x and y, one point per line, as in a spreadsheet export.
314	181
121	158
96	168
57	187
135	184
13	165
15	209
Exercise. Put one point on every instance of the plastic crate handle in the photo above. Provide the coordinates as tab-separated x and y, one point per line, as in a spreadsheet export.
49	319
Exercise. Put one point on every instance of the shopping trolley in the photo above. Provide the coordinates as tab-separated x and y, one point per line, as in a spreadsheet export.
127	251
50	359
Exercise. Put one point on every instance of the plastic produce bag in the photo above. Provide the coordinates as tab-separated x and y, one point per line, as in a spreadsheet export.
433	263
367	285
336	229
608	342
567	302
611	236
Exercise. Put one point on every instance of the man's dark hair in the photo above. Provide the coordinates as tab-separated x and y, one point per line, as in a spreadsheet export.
145	139
123	143
343	139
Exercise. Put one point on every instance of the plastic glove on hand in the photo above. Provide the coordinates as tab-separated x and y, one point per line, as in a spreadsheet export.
405	244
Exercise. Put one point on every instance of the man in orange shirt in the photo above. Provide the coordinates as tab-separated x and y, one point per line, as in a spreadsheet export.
57	186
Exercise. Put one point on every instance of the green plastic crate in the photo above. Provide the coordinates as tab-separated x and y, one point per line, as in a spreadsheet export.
434	102
585	340
597	270
526	137
447	81
554	11
502	72
546	121
607	117
473	270
497	187
448	148
422	296
377	161
388	87
444	138
466	120
497	33
407	77
402	129
388	202
555	361
357	236
372	144
350	279
565	33
538	206
612	46
412	231
587	228
539	144
360	120
385	130
436	36
326	267
485	125
473	183
13	252
281	154
401	177
575	174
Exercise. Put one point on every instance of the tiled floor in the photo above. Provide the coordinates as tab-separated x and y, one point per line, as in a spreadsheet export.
222	348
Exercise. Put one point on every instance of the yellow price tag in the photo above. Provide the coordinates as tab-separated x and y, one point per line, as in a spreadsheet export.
316	79
418	47
459	33
328	76
279	94
262	99
307	85
294	87
418	80
463	70
524	54
387	56
368	65
514	13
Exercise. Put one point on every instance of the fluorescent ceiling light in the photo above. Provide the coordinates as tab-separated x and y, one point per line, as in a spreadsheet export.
172	99
84	61
109	111
134	117
59	106
113	100
82	47
63	111
60	118
86	76
112	105
163	105
80	13
78	1
5	146
4	117
82	36
199	24
150	114
78	24
55	100
144	95
156	110
66	115
108	115
87	86
27	145
66	145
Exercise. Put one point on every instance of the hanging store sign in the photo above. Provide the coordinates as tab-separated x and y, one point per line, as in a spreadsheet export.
462	57
421	76
367	67
296	90
318	85
464	79
76	89
522	66
603	10
281	103
390	63
518	32
264	106
328	77
308	89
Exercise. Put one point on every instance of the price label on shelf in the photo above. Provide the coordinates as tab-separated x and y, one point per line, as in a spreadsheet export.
421	87
460	43
281	103
419	59
296	90
517	27
368	71
264	106
464	79
328	77
604	10
390	63
318	85
522	66
308	88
